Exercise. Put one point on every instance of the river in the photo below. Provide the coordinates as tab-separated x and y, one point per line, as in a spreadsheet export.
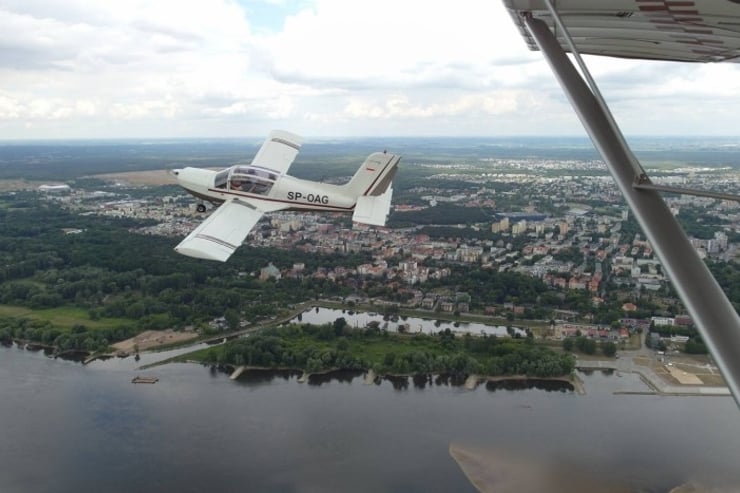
69	427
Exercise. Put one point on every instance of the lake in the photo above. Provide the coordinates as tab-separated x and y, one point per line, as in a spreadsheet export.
69	427
319	316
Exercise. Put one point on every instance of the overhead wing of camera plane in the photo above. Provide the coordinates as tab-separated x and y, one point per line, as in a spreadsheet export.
244	193
681	31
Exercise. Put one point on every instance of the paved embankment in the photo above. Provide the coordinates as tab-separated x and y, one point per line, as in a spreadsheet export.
651	379
237	373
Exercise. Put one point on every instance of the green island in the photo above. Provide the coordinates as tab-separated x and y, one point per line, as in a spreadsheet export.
337	346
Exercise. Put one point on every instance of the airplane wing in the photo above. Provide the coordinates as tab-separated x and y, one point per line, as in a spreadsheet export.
689	31
222	233
278	151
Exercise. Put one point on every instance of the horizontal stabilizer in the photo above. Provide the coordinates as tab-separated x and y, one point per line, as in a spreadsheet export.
373	209
222	233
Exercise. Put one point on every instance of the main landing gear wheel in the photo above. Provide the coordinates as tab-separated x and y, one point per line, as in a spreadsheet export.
201	208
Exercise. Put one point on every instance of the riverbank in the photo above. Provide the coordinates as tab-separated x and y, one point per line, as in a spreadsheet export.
370	377
145	340
655	382
49	350
655	385
153	339
388	354
572	380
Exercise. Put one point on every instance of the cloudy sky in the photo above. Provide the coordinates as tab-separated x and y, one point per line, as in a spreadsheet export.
226	68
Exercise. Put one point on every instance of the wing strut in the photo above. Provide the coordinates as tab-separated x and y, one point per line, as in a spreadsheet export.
644	183
708	305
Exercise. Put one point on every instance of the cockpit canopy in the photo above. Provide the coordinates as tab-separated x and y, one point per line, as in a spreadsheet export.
247	179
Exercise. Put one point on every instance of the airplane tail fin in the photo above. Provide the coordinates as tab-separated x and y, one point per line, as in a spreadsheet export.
374	176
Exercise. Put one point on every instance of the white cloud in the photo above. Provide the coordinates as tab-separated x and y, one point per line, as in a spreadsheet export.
400	106
387	43
80	68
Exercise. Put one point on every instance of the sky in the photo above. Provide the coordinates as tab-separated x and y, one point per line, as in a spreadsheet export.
324	68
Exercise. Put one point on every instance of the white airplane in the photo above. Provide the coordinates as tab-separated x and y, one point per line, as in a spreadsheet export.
244	192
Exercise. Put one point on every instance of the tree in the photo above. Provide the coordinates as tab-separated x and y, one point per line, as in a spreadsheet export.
695	346
232	318
389	359
585	345
339	325
609	349
342	344
568	344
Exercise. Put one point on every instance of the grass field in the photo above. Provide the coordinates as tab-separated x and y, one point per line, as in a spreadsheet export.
62	317
20	184
140	178
376	348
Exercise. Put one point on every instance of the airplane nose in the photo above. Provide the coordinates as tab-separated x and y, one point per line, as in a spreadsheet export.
175	172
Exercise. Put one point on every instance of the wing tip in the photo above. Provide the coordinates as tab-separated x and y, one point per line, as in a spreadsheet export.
201	253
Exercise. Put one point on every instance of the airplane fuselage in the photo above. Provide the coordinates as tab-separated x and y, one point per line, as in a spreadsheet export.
287	193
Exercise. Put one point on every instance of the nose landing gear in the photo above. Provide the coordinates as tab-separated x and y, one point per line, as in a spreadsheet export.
201	208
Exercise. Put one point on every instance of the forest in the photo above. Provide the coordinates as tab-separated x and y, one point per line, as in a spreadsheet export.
115	282
338	346
121	283
441	214
125	282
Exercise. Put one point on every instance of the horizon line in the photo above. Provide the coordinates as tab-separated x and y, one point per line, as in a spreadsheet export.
347	137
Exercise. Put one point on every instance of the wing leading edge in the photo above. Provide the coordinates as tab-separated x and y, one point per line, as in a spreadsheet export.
222	233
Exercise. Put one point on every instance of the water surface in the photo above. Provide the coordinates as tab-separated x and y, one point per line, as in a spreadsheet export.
319	316
67	427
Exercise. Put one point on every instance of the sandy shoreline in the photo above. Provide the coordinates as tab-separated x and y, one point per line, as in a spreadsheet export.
492	470
152	339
